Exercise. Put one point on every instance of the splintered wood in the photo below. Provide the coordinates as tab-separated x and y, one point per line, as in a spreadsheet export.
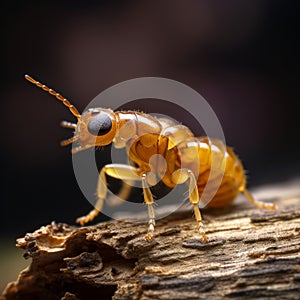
251	253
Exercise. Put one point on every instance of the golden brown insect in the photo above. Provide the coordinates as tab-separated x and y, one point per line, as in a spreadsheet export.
145	136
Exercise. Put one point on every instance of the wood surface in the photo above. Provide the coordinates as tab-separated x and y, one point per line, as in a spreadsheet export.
251	254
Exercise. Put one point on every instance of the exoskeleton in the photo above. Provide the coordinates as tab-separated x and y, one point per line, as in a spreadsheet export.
196	161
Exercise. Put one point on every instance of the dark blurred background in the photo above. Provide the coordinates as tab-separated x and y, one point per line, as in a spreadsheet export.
241	56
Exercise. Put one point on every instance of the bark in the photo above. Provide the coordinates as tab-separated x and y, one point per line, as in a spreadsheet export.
251	253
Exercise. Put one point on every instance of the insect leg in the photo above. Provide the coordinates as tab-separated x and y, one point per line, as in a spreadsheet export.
122	172
260	204
148	198
127	172
119	171
123	194
101	194
181	176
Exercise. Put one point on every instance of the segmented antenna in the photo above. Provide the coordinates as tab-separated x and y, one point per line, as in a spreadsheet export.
64	101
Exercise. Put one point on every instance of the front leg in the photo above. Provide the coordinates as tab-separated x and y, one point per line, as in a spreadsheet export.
122	172
119	171
101	194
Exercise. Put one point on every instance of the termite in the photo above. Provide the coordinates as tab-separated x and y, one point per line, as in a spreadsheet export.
144	136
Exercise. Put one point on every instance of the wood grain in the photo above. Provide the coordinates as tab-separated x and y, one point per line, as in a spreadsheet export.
250	254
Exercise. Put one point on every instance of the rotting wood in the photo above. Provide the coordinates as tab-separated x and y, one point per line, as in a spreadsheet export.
250	254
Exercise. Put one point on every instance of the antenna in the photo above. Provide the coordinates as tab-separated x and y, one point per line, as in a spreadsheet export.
64	101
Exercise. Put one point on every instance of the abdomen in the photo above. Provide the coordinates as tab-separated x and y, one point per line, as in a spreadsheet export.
216	168
220	172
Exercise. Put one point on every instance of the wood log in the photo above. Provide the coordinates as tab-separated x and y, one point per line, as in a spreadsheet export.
251	253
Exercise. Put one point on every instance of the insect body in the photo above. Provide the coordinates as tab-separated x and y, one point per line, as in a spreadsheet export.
180	157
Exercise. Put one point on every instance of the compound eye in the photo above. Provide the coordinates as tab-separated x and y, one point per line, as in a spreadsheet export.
100	124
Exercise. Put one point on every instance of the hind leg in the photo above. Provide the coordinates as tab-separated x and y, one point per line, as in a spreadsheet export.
260	204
